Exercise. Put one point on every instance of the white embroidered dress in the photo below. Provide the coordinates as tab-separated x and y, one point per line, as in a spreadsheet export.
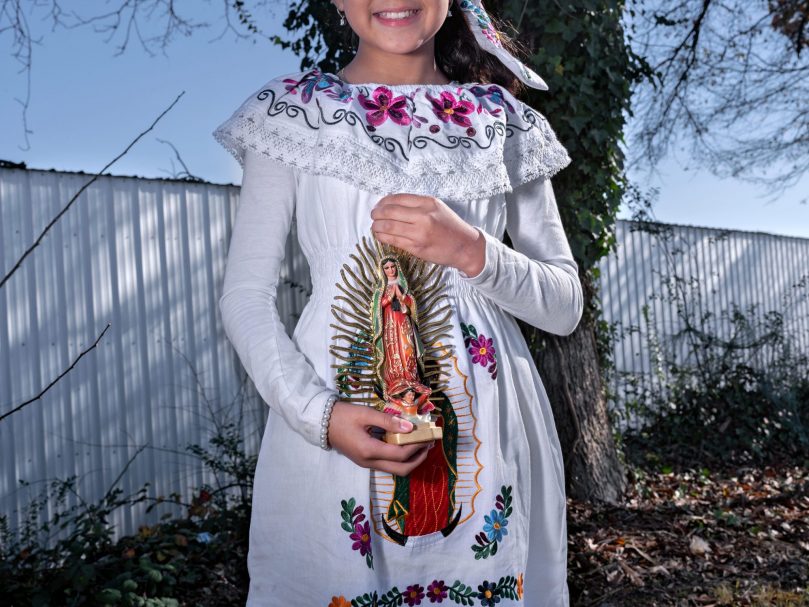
485	524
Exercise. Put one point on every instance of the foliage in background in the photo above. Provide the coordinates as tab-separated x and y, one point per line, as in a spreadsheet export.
200	559
731	83
728	388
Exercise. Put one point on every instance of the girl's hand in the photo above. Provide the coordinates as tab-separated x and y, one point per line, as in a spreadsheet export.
426	227
349	428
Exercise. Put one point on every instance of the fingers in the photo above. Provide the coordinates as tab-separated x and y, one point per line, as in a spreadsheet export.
390	423
377	449
405	200
402	468
393	227
397	212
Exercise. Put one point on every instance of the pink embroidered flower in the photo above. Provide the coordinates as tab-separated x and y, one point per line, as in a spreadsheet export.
437	591
383	106
414	594
482	350
447	108
480	347
362	538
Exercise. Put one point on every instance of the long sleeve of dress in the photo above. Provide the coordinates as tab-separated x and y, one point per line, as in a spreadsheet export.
281	373
538	280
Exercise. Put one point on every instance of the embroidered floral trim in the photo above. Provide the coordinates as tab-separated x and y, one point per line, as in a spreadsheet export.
400	139
481	348
355	523
487	594
494	529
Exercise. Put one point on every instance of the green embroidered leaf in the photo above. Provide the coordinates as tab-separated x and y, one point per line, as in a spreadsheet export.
461	593
391	597
366	600
369	560
506	587
347	527
508	593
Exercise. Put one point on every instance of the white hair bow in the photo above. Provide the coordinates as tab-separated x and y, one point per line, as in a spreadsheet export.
481	25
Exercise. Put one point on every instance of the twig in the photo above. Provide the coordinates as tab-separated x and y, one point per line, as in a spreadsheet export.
58	377
84	187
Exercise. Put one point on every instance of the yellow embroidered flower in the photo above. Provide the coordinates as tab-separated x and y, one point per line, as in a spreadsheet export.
339	601
519	586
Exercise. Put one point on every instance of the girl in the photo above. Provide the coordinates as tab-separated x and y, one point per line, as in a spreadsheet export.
418	145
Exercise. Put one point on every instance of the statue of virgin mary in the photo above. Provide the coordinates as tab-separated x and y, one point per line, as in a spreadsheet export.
398	348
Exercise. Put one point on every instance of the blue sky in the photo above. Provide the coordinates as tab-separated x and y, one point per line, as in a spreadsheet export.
87	104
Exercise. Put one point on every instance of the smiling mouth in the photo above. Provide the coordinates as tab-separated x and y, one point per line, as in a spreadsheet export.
397	15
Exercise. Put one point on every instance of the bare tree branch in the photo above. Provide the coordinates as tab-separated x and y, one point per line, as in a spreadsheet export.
53	221
56	379
731	82
184	174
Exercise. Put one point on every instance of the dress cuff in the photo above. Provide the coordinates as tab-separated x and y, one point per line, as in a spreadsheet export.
488	263
314	419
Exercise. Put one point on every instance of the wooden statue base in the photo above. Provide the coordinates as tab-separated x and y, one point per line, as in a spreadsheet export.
423	432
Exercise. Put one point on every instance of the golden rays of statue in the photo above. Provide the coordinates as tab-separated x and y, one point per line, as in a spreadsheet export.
391	313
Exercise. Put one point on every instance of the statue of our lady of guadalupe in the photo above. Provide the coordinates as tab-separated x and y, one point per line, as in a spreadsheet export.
398	347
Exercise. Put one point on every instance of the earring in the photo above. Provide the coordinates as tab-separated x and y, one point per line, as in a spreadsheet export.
342	17
449	12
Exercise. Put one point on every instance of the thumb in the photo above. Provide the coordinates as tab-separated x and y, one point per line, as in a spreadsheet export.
389	422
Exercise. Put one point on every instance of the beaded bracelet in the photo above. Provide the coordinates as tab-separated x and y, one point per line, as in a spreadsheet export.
324	424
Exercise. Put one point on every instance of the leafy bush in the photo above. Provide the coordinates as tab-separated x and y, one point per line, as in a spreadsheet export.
727	388
198	560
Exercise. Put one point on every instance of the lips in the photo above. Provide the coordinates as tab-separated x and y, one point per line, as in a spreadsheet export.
398	17
398	10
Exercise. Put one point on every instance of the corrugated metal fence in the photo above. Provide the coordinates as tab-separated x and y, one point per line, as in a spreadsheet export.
147	256
665	274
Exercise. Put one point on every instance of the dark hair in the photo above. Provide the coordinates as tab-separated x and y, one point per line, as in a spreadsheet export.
460	57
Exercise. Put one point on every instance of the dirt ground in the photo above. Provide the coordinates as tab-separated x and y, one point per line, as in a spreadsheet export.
700	538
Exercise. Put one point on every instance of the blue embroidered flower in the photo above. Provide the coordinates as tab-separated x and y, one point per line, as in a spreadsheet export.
495	526
488	595
494	529
318	81
495	94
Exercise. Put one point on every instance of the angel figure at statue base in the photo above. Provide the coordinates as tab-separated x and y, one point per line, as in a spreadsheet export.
407	407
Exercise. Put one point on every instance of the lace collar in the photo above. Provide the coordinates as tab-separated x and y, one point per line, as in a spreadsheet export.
452	141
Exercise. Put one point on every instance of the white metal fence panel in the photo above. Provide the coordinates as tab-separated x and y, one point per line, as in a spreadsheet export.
708	270
146	256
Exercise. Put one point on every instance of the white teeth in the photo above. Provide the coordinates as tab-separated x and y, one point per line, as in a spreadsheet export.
401	15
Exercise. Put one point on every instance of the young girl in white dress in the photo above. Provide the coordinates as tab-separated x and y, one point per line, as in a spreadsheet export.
418	145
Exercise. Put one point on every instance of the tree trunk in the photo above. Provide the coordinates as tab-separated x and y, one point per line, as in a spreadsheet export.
571	374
